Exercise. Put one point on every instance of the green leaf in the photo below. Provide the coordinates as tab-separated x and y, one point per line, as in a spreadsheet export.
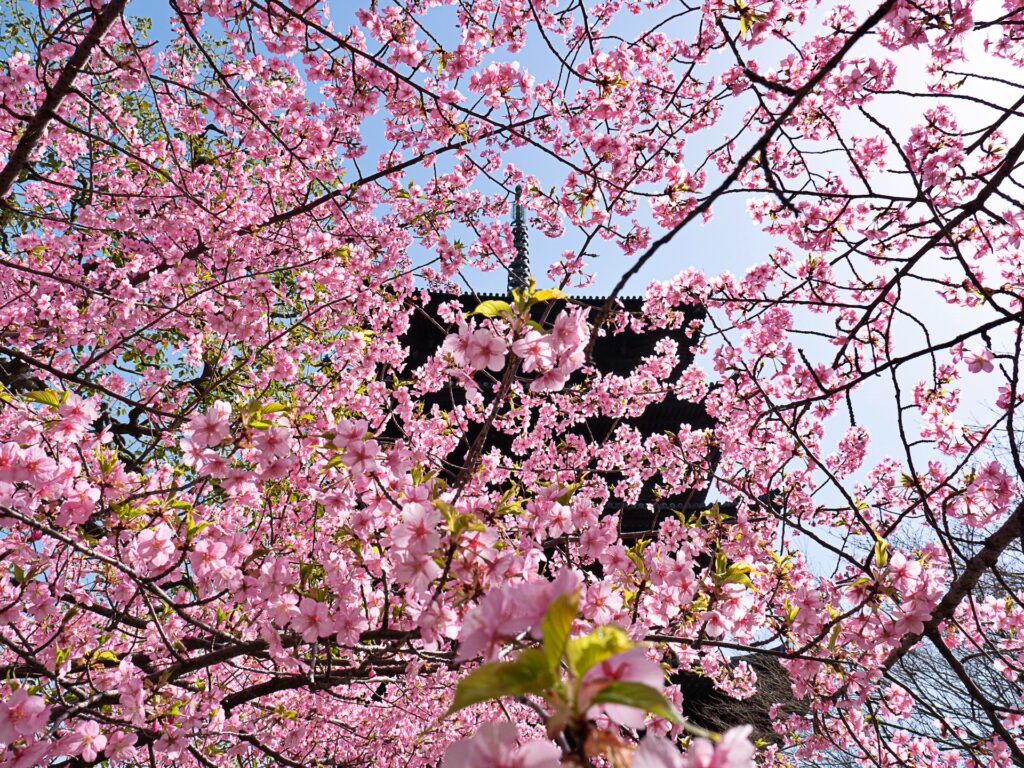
449	512
126	511
105	656
570	490
44	396
548	294
791	610
636	554
737	574
640	696
466	522
527	674
557	625
309	573
834	637
458	523
593	648
881	551
193	528
492	308
721	565
63	654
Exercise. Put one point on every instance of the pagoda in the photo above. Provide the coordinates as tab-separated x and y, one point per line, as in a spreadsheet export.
616	353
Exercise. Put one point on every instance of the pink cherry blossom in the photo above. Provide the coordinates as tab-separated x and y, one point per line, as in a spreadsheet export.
312	620
361	456
75	416
349	432
87	740
535	350
551	380
978	360
29	755
458	344
21	715
154	547
274	441
417	533
506	612
10	463
656	752
119	744
418	571
631	666
732	750
571	331
496	745
210	428
485	350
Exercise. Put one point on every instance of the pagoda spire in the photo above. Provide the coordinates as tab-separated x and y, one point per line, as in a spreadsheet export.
519	270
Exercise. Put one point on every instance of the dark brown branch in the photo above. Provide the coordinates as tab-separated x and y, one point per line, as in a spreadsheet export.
55	95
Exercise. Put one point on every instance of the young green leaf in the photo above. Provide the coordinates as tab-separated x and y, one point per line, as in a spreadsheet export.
737	574
101	656
492	308
527	674
465	522
557	625
881	551
593	648
640	696
547	294
44	396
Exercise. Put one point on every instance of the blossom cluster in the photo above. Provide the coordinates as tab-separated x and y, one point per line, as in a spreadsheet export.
243	520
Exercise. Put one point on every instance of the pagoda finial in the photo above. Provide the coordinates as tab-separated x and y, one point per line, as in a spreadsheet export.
519	270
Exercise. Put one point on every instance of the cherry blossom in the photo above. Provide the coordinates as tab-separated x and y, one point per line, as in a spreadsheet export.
629	666
496	745
296	436
154	547
535	350
22	715
87	740
732	750
311	620
485	350
210	428
979	360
